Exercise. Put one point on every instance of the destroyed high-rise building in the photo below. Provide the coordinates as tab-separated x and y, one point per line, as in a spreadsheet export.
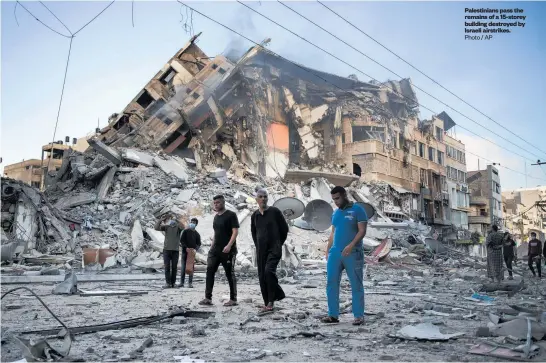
282	119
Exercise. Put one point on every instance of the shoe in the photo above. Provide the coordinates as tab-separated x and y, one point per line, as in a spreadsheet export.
167	286
329	320
205	302
510	278
180	286
358	321
231	303
189	286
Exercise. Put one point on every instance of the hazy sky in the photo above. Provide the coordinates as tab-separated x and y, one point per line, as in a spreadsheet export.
111	61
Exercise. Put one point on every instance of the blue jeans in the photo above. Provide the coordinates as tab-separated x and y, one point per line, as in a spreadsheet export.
354	265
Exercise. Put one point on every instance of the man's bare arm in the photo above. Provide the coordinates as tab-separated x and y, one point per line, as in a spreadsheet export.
362	227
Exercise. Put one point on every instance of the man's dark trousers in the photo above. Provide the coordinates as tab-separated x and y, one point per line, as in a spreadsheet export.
508	261
537	260
268	259
227	260
170	259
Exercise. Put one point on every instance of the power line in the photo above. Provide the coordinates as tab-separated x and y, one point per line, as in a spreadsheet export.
299	66
15	13
418	70
367	75
52	13
505	167
96	16
399	76
133	12
60	102
44	24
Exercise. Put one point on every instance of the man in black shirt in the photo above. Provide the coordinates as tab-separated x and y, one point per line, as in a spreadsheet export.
172	228
223	251
190	241
508	253
269	231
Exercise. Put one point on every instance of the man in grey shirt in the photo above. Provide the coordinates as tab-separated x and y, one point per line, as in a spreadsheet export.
173	228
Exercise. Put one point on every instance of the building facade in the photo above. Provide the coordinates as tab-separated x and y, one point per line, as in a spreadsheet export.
521	218
485	200
27	171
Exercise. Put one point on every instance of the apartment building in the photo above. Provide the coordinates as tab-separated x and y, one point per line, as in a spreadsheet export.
521	217
459	197
27	171
485	200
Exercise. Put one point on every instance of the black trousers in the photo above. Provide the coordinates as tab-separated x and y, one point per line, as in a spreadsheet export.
170	259
268	257
508	261
183	268
538	260
227	260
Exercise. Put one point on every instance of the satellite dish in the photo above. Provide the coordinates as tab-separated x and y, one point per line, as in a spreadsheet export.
291	208
318	213
370	210
301	223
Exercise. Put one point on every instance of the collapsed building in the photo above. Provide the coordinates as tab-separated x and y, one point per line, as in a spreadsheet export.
276	117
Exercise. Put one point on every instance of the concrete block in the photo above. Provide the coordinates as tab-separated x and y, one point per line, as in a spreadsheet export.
109	153
137	156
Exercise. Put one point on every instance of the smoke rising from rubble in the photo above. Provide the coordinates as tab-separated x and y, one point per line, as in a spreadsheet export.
237	46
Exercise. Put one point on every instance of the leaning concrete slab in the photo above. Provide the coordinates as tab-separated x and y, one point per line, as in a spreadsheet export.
138	157
80	199
173	167
296	176
106	183
106	151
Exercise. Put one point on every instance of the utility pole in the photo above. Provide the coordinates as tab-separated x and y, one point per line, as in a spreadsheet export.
525	164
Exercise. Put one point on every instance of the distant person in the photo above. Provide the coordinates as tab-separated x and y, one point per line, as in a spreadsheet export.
269	232
223	251
535	254
508	252
173	228
345	251
494	243
190	241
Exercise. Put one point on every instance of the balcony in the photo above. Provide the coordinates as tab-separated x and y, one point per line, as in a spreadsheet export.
479	220
478	200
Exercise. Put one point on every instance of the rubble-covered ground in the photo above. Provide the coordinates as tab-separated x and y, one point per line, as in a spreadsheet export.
95	223
396	296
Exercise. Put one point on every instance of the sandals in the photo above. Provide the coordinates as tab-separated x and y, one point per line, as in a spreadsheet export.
206	302
266	309
231	303
329	320
358	321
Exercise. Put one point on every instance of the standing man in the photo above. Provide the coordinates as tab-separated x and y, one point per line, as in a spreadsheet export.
535	254
172	228
190	241
269	231
223	251
508	252
494	243
345	250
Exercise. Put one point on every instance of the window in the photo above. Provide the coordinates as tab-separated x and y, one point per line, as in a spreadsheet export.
461	176
440	157
195	95
362	133
35	184
168	76
27	167
145	99
343	138
222	71
431	153
214	66
439	133
400	140
167	121
188	91
422	150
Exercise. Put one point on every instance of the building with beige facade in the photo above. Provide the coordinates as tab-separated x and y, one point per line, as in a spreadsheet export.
27	171
522	218
485	200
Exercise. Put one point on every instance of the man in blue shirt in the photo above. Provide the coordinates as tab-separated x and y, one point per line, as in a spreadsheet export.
346	251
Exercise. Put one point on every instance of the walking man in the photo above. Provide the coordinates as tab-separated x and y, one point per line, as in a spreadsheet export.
172	228
223	251
345	250
269	231
494	243
535	254
190	241
508	252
